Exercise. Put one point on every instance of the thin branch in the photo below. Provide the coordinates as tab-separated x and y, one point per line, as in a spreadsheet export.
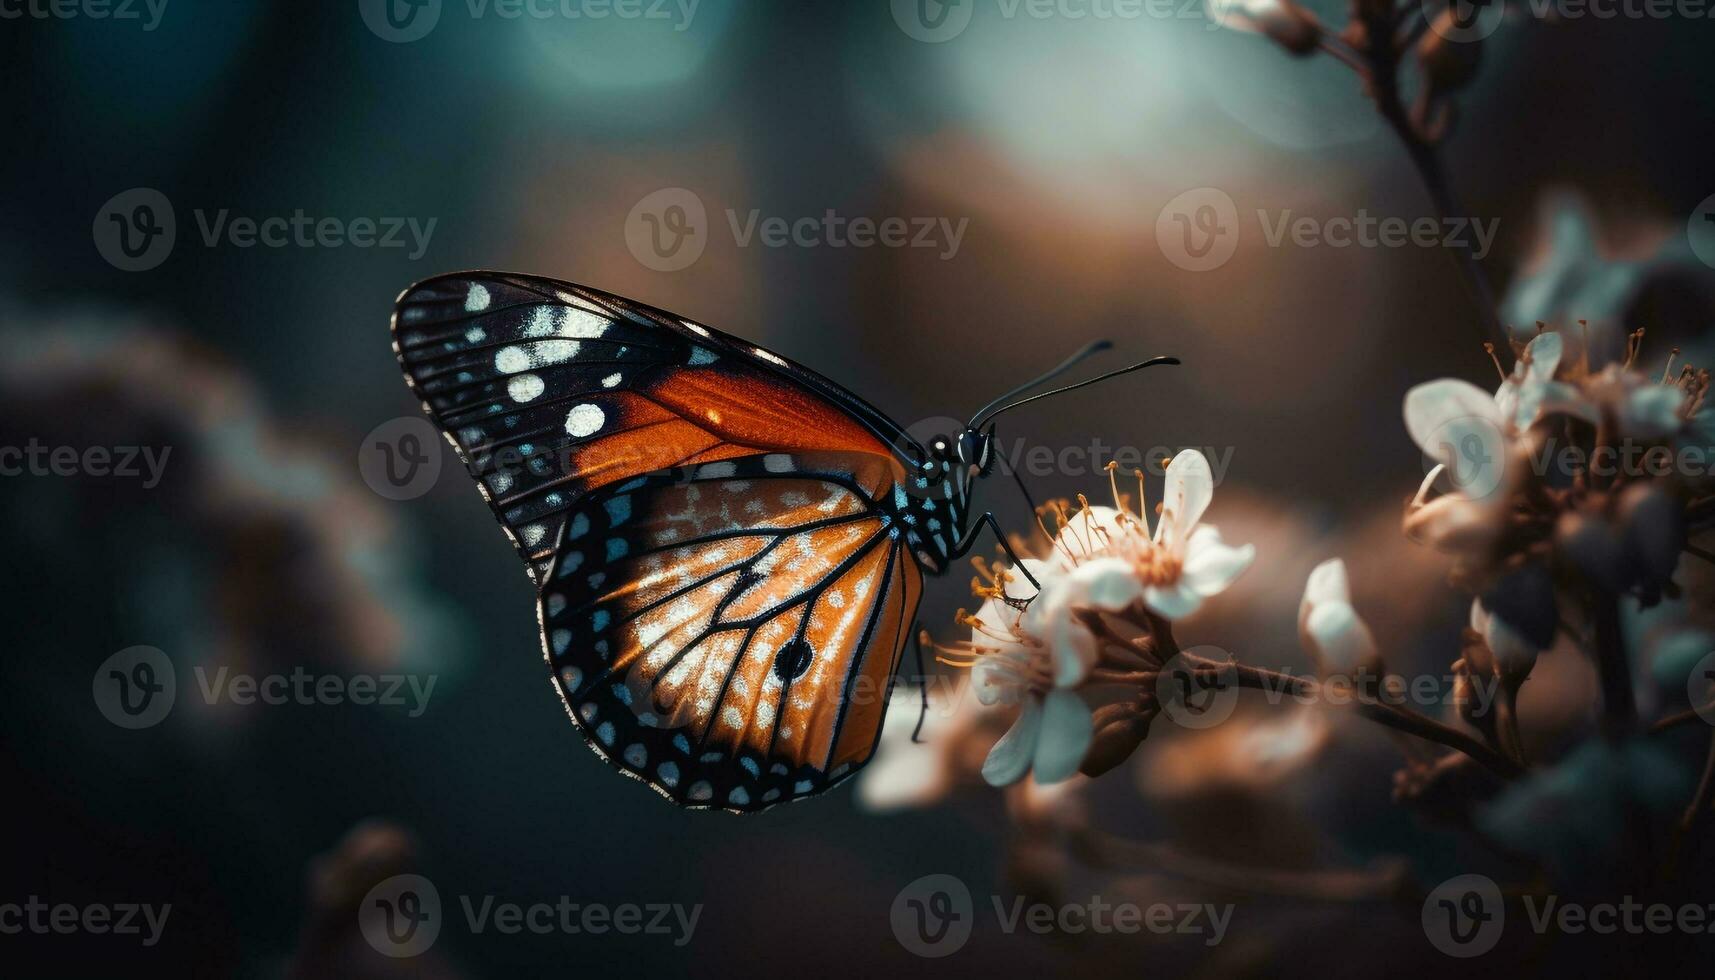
1384	65
1392	716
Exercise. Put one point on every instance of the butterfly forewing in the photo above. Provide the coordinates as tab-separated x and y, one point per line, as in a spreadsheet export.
723	587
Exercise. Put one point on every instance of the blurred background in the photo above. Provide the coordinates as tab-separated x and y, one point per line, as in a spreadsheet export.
534	144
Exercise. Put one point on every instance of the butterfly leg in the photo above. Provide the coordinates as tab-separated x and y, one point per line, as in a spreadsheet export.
1028	499
970	539
922	686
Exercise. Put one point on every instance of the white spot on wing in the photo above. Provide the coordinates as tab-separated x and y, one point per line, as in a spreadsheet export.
511	360
525	387
583	324
585	420
477	299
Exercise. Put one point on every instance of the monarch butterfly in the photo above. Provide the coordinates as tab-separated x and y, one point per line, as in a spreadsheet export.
727	548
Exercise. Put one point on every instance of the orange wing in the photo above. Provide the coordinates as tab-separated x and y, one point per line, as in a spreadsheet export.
730	637
549	391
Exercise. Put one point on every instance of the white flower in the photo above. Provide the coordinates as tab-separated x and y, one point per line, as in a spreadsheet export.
1531	390
1035	658
1330	627
1036	649
1464	430
1116	560
1514	655
1194	563
1050	737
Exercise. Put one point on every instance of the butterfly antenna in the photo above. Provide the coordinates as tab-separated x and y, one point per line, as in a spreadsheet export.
988	413
1094	347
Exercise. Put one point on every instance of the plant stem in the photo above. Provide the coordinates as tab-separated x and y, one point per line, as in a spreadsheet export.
1619	708
1383	76
1392	716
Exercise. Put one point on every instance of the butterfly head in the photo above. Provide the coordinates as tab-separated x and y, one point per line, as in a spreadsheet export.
976	451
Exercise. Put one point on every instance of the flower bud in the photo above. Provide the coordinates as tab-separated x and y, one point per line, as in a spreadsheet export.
1654	527
1330	628
1591	544
1524	597
1120	729
1514	656
1285	22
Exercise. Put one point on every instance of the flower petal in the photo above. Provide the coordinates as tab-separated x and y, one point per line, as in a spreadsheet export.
1010	758
1556	398
1091	532
1172	601
1211	565
1190	485
1543	354
1514	655
1072	648
1453	523
1442	415
1328	582
1106	583
1067	728
1652	412
1341	639
998	678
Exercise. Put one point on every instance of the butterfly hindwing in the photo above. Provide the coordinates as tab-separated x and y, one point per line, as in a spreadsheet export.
723	589
728	634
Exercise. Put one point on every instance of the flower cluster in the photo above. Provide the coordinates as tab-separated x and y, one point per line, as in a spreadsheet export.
1567	481
1108	577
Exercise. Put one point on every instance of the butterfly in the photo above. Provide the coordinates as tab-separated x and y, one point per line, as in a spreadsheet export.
728	549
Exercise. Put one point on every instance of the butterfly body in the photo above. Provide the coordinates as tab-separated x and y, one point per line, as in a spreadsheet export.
728	549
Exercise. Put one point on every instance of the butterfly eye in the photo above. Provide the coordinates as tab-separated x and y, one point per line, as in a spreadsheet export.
974	450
